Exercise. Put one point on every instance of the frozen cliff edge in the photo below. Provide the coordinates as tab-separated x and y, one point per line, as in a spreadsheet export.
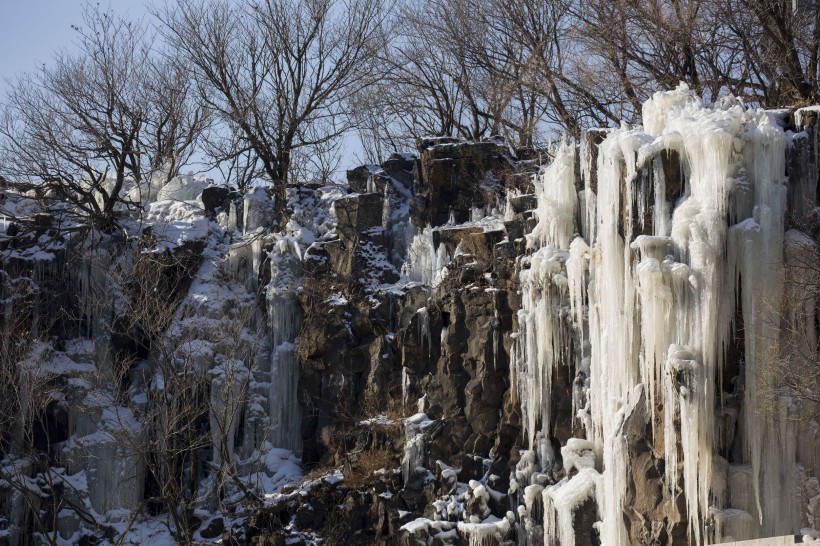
475	345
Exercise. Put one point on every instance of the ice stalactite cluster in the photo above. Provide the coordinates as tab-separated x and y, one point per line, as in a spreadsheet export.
229	385
415	443
93	289
425	263
637	281
285	320
395	214
105	446
545	333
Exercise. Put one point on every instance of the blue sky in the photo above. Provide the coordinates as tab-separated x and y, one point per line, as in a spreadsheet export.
32	30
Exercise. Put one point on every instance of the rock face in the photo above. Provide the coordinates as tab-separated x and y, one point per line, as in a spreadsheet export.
347	365
655	516
454	178
465	348
458	359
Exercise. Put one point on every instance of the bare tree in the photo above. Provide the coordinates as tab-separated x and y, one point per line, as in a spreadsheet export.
448	73
176	120
86	128
523	68
765	51
278	74
778	42
475	68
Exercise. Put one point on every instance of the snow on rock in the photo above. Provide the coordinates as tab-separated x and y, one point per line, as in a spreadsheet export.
259	209
182	188
488	532
563	499
415	451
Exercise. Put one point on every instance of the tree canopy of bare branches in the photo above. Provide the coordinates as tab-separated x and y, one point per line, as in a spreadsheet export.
528	68
268	90
278	74
93	124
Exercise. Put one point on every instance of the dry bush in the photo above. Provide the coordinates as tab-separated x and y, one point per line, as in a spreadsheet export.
361	472
318	471
375	407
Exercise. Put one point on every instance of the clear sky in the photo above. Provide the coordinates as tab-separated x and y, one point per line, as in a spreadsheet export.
32	30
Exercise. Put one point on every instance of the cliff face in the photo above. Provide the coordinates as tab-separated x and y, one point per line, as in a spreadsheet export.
461	347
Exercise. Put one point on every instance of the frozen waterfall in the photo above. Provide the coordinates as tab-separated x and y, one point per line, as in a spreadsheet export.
635	284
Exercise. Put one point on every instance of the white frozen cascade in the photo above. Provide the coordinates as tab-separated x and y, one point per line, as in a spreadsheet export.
641	289
285	316
425	263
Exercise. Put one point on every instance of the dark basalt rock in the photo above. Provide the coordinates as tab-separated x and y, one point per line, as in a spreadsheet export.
357	342
521	203
216	199
358	178
348	363
583	522
453	178
672	174
398	168
213	528
591	139
357	213
653	518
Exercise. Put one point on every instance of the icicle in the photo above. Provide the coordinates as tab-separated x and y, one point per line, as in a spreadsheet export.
509	212
661	215
656	305
285	319
577	265
664	105
544	337
488	532
425	263
613	367
557	201
415	443
424	330
587	198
